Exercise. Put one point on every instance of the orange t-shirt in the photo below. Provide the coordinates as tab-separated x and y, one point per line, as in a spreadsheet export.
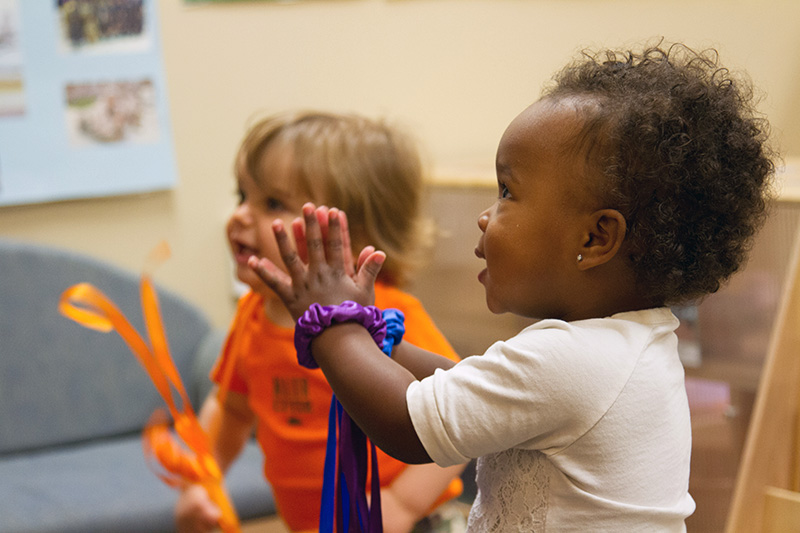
292	403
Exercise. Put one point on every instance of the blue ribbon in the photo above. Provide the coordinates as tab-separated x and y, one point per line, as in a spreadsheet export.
350	459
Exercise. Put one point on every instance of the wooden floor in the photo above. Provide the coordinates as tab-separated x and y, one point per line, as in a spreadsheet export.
265	525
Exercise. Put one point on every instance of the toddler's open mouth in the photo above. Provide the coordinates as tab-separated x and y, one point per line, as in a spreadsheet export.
242	253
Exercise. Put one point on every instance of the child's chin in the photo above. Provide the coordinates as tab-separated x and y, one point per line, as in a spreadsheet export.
493	306
245	276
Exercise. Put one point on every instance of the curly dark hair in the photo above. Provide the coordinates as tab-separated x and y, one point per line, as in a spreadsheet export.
682	154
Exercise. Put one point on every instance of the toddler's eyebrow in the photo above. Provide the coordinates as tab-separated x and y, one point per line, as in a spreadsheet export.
502	168
504	172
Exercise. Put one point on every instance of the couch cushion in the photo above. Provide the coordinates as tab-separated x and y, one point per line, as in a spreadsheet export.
106	486
61	382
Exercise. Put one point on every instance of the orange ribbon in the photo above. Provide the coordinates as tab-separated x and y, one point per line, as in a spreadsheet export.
90	308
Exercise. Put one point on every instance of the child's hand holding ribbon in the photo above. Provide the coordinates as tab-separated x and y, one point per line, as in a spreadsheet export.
177	465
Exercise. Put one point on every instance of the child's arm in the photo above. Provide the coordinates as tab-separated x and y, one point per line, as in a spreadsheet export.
421	363
229	426
354	366
412	494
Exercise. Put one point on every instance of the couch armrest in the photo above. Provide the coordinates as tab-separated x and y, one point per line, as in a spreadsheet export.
198	383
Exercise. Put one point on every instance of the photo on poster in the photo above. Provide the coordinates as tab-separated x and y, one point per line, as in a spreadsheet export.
111	112
12	88
102	26
234	1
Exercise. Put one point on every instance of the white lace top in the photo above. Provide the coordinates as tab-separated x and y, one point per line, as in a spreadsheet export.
580	426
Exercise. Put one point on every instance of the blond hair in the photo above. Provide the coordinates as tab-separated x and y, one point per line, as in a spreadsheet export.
370	170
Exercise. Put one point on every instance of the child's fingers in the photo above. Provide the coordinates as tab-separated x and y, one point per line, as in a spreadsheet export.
314	243
369	270
347	245
195	511
299	232
291	259
365	253
333	243
275	278
322	220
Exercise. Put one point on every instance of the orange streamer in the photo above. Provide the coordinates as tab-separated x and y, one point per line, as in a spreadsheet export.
181	465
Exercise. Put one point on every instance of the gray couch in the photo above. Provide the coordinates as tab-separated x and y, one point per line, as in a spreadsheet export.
73	403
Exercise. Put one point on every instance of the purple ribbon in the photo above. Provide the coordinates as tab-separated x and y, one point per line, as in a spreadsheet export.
345	476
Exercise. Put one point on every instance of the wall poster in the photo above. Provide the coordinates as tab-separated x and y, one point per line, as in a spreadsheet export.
83	106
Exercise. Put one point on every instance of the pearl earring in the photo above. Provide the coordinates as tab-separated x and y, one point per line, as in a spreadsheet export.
580	258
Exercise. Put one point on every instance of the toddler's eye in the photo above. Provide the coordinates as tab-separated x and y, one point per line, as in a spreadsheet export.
503	191
273	204
240	196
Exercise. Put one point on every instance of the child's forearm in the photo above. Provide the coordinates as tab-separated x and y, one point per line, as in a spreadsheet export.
371	387
421	363
412	494
228	426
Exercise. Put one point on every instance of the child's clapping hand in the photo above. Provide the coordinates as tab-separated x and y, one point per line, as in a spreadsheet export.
319	264
355	367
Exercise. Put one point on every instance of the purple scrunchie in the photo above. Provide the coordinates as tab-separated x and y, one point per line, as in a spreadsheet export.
318	317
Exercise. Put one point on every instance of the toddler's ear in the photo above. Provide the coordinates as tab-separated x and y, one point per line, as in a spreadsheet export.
603	238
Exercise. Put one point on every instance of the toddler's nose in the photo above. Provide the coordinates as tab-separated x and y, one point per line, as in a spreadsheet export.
241	213
483	221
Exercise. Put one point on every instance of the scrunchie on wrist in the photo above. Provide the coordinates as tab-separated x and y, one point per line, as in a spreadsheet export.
395	329
318	317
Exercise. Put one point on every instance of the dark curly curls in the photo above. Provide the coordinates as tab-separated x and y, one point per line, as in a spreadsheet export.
682	155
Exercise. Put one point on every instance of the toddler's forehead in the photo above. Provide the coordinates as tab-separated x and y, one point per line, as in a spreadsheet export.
552	133
547	129
268	163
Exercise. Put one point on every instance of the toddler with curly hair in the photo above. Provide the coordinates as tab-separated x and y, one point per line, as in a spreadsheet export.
636	182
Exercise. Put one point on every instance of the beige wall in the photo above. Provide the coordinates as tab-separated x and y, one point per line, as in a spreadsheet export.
454	72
